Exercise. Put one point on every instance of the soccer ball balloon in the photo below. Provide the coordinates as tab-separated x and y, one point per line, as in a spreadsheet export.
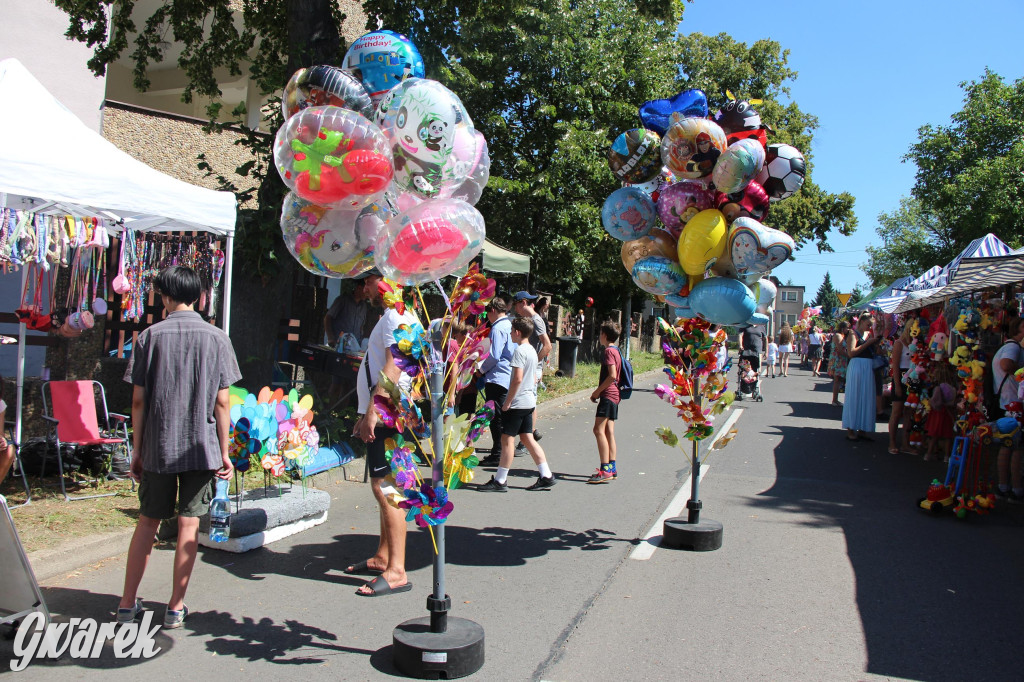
783	172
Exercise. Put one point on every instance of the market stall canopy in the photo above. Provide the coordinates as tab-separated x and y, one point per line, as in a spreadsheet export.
883	291
500	259
973	274
51	162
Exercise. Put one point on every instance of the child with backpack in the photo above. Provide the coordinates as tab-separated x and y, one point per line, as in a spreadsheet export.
615	384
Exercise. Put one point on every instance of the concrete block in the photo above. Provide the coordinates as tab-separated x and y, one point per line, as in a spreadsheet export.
270	515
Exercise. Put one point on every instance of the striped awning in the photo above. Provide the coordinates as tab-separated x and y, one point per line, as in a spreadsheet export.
972	274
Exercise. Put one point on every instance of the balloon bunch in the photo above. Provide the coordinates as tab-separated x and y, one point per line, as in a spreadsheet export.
695	189
274	427
384	167
698	384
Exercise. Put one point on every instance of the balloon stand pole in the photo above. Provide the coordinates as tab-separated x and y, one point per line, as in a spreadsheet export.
436	646
692	533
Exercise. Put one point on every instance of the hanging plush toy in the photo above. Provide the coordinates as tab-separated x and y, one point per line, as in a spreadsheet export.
938	339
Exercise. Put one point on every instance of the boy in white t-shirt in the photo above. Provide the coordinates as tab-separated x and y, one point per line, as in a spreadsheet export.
773	358
517	413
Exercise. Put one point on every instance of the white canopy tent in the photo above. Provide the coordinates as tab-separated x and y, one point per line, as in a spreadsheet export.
52	163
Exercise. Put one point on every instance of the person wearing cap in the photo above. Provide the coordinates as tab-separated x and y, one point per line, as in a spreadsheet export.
350	314
497	371
539	339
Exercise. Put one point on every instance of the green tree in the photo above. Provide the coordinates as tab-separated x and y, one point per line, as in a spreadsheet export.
913	240
760	71
857	293
827	297
971	171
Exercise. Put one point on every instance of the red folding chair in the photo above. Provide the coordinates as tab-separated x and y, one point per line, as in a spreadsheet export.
74	422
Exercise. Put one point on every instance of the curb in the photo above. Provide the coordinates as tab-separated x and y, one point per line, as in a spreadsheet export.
71	556
572	398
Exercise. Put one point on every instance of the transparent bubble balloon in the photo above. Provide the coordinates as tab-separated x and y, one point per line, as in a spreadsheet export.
332	242
324	85
432	239
423	121
383	59
333	157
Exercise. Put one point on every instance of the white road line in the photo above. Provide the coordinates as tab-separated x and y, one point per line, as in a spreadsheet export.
645	550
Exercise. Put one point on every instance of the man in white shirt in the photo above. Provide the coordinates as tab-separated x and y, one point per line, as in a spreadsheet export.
1007	360
389	559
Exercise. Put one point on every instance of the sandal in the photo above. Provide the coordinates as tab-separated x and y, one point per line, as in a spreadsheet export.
380	588
867	438
894	451
362	568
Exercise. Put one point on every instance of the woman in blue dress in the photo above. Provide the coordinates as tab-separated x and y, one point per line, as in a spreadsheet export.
859	406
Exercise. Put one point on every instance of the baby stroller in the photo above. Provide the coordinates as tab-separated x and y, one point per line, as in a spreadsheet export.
749	376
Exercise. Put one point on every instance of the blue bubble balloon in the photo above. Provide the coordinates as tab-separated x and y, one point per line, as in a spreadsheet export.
629	213
656	113
383	59
659	275
721	300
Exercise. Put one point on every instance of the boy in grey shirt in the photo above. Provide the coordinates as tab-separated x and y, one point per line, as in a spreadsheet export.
517	413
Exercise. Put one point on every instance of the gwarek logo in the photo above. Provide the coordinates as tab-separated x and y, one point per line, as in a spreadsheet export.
82	638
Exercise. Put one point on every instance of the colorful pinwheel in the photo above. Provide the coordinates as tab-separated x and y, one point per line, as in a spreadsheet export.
472	293
391	293
458	467
428	506
403	465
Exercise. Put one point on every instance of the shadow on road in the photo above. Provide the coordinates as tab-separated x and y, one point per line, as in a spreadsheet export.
939	598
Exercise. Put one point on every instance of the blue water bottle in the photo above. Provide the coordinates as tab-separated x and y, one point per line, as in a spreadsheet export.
220	513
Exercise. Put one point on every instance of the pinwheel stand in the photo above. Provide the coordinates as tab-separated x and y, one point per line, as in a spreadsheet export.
436	646
693	533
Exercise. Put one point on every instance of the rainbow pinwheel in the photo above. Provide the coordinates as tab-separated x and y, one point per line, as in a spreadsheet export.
458	467
472	293
411	340
403	465
391	293
428	506
274	425
481	422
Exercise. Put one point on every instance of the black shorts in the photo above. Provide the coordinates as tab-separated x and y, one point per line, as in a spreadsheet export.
814	353
607	409
376	461
517	421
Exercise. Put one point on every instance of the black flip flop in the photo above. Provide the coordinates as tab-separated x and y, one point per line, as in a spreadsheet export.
867	438
381	588
362	569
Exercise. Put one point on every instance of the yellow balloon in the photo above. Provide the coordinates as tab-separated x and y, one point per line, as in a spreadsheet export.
703	241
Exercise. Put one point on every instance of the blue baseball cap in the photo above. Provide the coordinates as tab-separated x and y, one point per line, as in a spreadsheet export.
524	296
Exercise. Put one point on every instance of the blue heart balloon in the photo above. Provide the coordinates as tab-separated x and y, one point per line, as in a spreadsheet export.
721	300
656	113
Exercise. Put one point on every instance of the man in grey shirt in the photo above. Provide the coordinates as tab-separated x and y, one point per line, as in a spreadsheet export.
181	369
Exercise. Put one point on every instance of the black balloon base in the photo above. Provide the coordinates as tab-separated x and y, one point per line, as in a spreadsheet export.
703	536
420	653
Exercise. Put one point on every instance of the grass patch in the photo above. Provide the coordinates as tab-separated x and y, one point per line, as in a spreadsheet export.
587	374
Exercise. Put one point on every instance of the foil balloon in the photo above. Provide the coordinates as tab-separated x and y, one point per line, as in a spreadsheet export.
331	242
721	300
635	156
681	201
683	312
756	249
738	115
381	60
333	157
628	213
322	85
430	240
752	202
659	275
677	301
703	241
656	114
738	165
765	291
691	147
783	172
478	173
423	122
656	243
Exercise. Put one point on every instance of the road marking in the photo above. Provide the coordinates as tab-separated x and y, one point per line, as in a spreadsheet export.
645	550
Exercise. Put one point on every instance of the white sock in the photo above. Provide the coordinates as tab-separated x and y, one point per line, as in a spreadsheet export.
544	469
501	475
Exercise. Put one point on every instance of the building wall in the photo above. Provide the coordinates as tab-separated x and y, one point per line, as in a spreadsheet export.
788	311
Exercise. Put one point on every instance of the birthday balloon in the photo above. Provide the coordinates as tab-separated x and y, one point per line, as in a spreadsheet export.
757	249
656	114
333	157
331	242
681	201
429	241
635	156
721	300
752	202
322	85
423	123
658	275
478	168
738	165
691	147
383	59
703	241
656	243
628	213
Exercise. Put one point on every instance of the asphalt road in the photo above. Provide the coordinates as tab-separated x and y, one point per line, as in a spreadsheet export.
827	571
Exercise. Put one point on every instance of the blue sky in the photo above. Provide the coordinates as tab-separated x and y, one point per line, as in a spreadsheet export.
873	73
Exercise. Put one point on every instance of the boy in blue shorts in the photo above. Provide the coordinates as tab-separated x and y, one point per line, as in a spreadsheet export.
517	413
607	398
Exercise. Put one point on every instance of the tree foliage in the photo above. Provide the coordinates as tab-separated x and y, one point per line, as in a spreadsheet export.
913	240
827	297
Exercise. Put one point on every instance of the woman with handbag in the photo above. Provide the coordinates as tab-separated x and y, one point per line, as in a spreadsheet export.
859	407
